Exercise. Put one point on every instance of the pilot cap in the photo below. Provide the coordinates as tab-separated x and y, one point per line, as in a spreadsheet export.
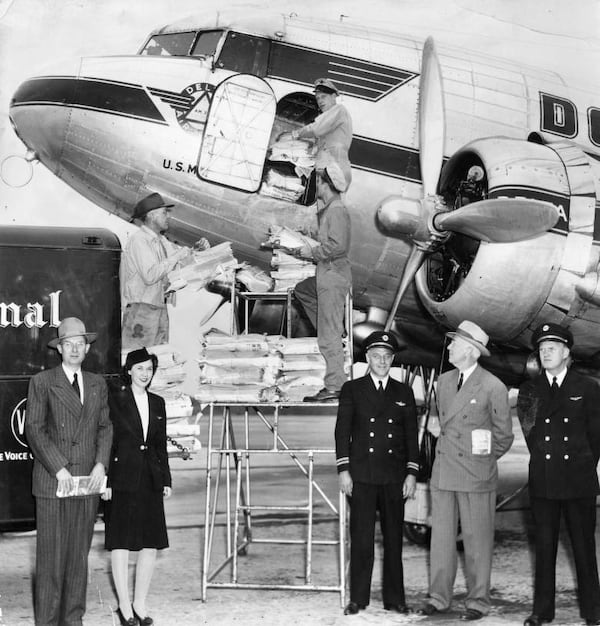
383	339
147	204
552	332
336	176
326	86
473	334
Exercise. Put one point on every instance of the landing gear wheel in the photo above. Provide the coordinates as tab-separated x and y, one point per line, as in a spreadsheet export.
419	534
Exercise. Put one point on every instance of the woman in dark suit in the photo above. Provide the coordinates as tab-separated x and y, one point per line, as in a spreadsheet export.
138	479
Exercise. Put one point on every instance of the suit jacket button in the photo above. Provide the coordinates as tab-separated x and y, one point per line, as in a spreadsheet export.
142	447
547	420
565	439
389	451
372	419
566	457
547	438
547	456
371	434
370	449
389	435
565	419
390	421
460	454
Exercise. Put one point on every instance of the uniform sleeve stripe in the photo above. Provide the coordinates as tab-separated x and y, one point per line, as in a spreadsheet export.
343	460
412	465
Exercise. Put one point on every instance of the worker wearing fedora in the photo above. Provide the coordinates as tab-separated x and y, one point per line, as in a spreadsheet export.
559	412
331	130
70	434
475	431
147	259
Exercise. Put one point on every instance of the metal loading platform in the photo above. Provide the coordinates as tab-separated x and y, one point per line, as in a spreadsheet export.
229	467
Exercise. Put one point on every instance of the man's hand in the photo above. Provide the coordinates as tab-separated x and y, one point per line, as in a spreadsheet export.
167	491
107	495
305	252
97	477
345	481
202	244
65	481
410	486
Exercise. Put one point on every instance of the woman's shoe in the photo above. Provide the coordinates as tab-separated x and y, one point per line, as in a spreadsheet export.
144	621
132	621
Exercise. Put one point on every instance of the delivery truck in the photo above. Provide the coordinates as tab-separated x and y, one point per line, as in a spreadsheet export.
47	274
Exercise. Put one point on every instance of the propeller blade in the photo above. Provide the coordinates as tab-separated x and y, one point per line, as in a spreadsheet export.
413	264
431	119
500	220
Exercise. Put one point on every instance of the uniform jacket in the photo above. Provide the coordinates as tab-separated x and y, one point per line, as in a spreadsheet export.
562	432
129	450
63	433
481	403
376	437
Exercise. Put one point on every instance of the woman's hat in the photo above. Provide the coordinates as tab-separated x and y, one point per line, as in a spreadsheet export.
72	327
141	355
473	334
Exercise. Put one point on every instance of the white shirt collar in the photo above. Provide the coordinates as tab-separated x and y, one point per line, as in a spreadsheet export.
69	373
376	380
559	377
466	373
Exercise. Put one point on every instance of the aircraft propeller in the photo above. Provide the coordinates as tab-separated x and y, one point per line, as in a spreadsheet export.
429	222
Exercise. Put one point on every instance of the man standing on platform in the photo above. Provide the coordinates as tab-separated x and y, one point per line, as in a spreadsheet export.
377	463
323	296
476	430
560	416
70	434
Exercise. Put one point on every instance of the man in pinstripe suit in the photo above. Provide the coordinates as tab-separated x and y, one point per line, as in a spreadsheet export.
476	430
70	434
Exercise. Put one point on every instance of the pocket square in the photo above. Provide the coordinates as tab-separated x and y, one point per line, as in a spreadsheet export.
473	401
575	398
401	403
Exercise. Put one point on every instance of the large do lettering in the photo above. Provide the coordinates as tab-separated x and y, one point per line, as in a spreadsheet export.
559	117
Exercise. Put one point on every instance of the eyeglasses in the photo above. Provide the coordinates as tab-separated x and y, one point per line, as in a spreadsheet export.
73	345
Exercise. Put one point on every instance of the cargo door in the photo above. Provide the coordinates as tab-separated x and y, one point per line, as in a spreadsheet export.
237	133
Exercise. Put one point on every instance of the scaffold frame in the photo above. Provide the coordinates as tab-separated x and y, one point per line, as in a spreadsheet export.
229	462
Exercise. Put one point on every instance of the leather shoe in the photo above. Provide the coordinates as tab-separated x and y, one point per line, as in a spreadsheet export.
324	395
428	609
132	621
536	620
398	608
352	608
144	621
470	615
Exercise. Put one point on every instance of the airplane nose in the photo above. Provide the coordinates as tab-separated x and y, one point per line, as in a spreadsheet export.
39	113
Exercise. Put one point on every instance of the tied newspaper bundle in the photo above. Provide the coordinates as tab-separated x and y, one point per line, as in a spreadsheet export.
289	269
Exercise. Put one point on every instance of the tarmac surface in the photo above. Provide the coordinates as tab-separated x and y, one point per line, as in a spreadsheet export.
176	591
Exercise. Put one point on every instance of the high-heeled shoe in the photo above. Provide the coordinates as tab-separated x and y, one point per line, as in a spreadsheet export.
144	621
132	621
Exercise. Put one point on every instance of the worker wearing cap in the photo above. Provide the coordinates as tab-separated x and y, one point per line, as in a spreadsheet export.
332	129
323	296
377	462
559	412
147	259
475	431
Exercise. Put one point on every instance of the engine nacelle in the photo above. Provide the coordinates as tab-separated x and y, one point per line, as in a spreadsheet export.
508	288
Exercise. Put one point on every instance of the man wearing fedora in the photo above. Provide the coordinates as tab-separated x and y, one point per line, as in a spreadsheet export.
559	412
475	431
377	463
322	296
147	259
70	434
331	130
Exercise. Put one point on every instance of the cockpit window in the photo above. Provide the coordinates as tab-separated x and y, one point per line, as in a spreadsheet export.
245	54
207	42
176	44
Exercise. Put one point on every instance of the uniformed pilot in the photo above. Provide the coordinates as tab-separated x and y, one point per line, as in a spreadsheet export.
559	412
377	463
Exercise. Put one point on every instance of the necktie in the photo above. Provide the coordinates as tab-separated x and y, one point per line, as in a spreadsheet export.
76	386
380	389
460	382
554	384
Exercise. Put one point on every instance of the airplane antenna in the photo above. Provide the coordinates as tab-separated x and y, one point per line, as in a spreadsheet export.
342	16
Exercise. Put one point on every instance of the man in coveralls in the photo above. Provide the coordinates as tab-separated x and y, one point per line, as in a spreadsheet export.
322	296
377	463
559	412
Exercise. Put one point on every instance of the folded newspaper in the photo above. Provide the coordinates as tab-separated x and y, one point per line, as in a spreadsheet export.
81	487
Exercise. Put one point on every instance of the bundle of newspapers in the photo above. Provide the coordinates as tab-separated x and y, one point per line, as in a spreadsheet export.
291	162
288	269
257	368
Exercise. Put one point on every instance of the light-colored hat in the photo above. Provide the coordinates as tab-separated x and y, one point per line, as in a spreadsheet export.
325	85
71	327
336	175
473	334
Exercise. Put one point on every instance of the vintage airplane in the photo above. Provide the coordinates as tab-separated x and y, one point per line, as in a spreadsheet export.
504	234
